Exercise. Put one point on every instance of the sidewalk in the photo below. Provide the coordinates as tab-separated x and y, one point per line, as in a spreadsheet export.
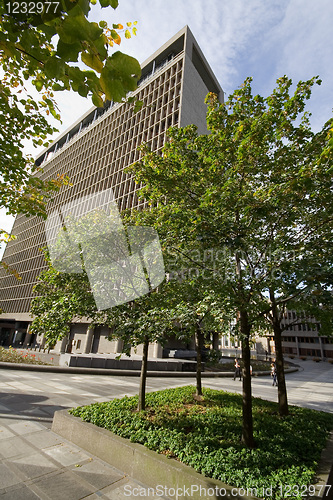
36	463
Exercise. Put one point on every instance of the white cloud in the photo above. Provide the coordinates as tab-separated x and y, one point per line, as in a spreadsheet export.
304	41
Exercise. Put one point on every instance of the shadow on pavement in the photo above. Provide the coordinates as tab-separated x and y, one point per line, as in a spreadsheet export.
27	405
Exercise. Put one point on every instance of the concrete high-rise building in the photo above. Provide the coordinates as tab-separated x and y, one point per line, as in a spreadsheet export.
93	152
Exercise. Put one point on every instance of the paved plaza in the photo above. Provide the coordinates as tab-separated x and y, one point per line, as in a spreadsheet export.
35	463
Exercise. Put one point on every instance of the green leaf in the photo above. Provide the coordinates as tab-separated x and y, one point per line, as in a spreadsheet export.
100	47
54	68
128	34
114	3
77	28
138	105
92	61
125	71
83	90
97	100
76	77
68	51
113	89
38	84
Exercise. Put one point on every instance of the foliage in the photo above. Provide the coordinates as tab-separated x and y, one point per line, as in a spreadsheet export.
11	355
134	321
60	297
47	46
53	49
249	203
257	189
205	435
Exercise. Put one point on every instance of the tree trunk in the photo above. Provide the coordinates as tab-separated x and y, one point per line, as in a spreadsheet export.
143	376
247	432
215	342
282	389
199	345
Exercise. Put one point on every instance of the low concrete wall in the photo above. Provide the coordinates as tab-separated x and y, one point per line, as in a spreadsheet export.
138	462
113	363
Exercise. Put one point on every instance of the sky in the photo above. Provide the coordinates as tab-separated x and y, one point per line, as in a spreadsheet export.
264	39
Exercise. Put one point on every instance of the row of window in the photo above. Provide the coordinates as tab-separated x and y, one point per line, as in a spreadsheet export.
168	83
302	327
308	340
95	161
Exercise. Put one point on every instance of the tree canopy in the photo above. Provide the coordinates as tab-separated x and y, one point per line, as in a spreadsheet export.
248	202
54	47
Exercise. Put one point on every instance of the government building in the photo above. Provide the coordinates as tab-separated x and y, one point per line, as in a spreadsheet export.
93	153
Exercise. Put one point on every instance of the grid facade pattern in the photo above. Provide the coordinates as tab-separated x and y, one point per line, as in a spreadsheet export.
98	147
94	159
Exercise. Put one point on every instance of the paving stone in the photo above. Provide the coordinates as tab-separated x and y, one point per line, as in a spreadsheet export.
15	446
131	489
22	492
34	466
66	455
97	473
26	427
43	439
7	477
5	433
63	486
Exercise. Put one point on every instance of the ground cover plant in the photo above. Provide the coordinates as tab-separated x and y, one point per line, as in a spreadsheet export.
206	435
11	355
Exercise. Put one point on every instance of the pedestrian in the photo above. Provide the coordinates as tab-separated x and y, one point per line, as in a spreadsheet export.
237	370
273	373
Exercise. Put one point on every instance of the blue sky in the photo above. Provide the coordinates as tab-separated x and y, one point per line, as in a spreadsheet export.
264	39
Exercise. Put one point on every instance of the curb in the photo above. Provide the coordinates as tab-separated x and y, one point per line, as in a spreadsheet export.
127	373
324	474
140	463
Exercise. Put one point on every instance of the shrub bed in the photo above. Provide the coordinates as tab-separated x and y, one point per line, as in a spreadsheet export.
206	436
11	355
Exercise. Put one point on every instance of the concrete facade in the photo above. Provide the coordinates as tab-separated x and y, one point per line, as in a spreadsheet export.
94	152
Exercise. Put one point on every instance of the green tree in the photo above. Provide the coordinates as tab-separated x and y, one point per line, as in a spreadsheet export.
46	46
60	298
92	274
197	311
140	322
308	293
246	195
